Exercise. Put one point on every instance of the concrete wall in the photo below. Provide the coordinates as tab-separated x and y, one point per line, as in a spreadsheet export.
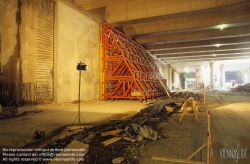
28	43
9	42
78	40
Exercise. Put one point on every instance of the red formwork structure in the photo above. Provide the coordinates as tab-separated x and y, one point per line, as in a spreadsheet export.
129	72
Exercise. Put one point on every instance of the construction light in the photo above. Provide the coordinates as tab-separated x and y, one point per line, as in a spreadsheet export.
82	66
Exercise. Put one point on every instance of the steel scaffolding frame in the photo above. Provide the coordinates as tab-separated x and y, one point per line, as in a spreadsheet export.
129	72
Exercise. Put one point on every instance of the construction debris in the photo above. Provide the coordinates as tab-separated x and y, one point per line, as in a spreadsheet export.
112	132
169	109
111	140
124	137
117	160
244	88
137	132
153	119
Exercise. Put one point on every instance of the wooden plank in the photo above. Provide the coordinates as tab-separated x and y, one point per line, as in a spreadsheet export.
193	154
116	120
112	132
153	120
111	140
128	139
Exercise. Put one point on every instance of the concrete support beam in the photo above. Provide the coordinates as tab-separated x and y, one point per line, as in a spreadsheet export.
94	4
96	12
212	50
205	43
191	23
183	60
139	11
204	54
195	36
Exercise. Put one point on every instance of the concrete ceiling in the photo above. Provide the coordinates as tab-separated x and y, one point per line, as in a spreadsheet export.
183	33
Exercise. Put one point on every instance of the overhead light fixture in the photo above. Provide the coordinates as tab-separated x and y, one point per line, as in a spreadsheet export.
222	26
214	55
217	45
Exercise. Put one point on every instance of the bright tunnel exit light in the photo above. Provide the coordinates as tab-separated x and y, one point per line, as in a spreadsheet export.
186	69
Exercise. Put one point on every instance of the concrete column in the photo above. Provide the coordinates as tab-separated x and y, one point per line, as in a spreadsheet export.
176	79
222	76
198	76
170	76
211	75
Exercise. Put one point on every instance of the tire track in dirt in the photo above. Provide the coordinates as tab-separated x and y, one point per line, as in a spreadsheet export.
220	100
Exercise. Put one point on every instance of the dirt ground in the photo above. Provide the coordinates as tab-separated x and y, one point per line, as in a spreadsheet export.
55	117
230	130
230	124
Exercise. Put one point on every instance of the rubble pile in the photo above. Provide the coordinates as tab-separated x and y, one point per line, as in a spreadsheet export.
120	140
244	88
140	130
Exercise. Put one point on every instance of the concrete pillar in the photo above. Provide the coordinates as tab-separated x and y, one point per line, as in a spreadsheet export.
169	76
222	76
211	75
198	76
246	76
176	79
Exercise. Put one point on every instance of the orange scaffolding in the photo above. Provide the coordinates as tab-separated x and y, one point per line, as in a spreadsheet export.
129	70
